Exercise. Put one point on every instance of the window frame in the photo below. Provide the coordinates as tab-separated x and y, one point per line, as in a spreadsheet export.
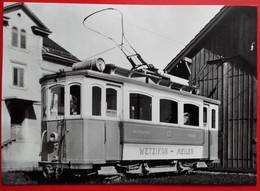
129	109
50	99
178	110
46	91
112	110
199	115
101	100
205	116
23	36
213	120
14	37
20	70
68	110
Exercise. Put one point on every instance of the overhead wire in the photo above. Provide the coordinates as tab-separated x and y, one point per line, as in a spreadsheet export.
102	52
145	29
123	37
110	38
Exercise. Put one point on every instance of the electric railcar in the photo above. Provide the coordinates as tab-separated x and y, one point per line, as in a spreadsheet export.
97	116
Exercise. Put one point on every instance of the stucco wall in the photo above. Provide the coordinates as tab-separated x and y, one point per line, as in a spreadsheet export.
23	152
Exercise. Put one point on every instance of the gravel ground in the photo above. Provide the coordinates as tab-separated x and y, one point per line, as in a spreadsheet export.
197	178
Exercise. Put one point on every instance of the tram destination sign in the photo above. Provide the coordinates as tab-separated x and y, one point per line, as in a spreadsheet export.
148	151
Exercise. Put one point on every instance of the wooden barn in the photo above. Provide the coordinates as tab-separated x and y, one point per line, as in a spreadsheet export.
222	61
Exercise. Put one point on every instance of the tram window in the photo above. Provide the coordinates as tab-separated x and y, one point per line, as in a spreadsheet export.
168	111
96	101
191	115
140	107
111	99
205	116
205	111
57	101
75	100
44	103
213	118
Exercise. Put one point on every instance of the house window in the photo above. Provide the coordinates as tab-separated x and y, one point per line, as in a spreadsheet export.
191	115
140	107
18	77
75	100
96	101
168	111
14	37
18	37
23	39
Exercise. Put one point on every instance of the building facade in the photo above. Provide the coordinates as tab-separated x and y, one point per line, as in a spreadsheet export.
28	54
223	64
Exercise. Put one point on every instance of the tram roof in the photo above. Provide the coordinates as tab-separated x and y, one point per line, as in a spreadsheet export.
120	75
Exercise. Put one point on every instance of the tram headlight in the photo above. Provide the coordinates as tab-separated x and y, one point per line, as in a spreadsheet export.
54	137
97	64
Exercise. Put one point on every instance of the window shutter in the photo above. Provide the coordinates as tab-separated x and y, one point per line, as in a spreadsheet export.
21	77
23	39
14	37
15	77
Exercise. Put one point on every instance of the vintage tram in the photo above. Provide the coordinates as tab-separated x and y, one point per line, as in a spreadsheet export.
99	116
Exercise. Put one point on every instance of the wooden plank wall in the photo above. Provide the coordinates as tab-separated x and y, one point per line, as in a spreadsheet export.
235	88
237	91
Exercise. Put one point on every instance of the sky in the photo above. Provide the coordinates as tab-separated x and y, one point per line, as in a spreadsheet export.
158	33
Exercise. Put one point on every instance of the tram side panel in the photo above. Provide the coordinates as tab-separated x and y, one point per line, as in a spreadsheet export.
213	143
94	141
43	152
113	147
100	141
147	141
74	141
68	146
53	128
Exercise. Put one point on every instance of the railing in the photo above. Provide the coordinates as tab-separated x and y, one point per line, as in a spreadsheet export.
15	135
16	132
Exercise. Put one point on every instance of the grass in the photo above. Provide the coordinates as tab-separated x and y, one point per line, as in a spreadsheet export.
21	177
198	178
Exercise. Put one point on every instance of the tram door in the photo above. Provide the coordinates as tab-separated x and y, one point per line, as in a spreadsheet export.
206	124
213	132
210	125
113	112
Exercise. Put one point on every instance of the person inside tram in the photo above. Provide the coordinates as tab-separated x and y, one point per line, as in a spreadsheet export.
73	105
186	118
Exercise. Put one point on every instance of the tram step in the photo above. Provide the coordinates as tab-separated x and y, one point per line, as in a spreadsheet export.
108	170
201	165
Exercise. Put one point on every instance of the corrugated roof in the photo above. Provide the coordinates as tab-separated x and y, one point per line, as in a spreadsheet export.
53	48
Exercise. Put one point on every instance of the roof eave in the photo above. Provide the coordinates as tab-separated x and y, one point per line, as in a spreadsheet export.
17	6
59	58
40	31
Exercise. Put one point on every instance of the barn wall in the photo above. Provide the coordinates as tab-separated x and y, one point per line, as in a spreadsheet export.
235	85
